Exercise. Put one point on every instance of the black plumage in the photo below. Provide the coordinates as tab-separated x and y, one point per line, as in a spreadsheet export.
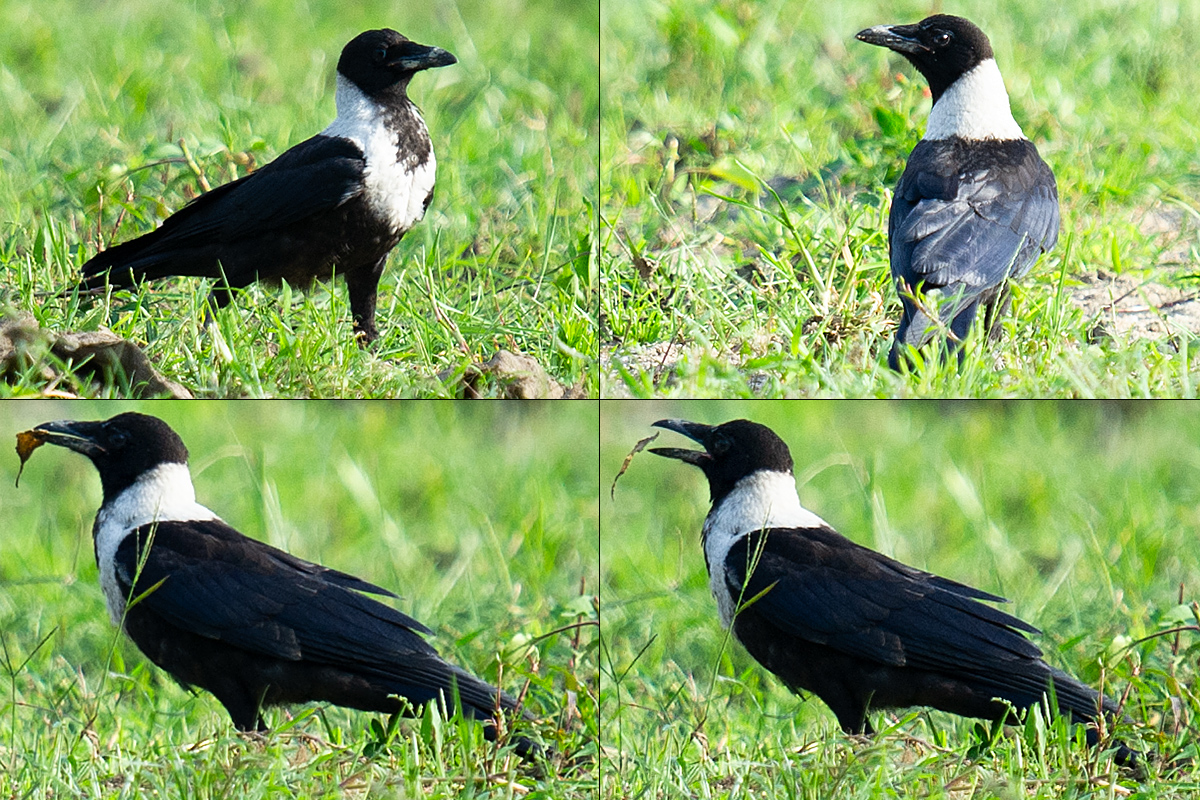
976	205
259	627
966	220
861	631
338	202
858	629
252	624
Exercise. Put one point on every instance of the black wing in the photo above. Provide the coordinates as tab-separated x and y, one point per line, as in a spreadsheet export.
967	217
207	578
821	587
317	175
817	585
215	582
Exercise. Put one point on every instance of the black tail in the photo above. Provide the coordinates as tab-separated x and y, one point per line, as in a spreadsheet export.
1082	704
480	700
124	265
159	254
917	328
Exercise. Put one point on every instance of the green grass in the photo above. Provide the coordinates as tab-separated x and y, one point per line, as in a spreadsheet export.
99	98
789	294
483	518
1083	515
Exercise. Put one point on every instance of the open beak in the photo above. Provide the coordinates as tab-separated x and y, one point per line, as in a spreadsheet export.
695	431
413	57
77	436
901	38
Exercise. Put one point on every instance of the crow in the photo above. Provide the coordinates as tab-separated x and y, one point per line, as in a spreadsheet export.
854	627
338	202
252	624
976	205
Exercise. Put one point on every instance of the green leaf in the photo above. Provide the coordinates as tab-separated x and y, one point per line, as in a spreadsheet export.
733	171
892	123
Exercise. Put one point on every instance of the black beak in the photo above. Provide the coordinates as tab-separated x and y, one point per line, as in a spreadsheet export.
413	57
72	435
695	431
901	38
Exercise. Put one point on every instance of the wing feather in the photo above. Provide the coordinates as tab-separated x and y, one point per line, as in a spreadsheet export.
862	603
264	600
966	220
319	174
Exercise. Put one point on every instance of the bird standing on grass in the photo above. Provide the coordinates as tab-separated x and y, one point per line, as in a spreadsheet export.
856	628
976	205
338	202
251	624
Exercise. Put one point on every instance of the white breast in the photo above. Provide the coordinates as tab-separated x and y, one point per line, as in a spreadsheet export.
765	499
974	107
163	494
396	186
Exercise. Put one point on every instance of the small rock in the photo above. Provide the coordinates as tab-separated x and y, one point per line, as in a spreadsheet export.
23	344
100	356
110	359
519	377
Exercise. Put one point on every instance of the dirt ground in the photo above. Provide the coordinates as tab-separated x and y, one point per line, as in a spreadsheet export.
1125	306
1141	306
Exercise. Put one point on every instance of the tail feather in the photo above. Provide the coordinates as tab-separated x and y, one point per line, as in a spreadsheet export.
478	699
1083	704
145	258
1024	688
1077	702
917	329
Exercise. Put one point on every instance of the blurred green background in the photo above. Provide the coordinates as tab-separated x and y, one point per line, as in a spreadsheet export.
91	84
1084	515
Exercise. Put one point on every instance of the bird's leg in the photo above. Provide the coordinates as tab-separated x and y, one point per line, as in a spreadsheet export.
245	709
851	714
997	309
220	296
363	286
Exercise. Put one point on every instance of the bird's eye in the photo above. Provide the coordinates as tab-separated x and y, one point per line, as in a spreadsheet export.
117	438
380	53
719	445
942	38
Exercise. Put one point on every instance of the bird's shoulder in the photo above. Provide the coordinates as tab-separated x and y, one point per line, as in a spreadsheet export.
958	169
805	550
318	174
199	548
317	152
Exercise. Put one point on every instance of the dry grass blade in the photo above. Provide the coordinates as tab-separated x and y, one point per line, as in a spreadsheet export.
637	448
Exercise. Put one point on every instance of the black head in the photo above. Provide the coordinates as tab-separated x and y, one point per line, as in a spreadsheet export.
731	451
382	62
121	448
941	47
